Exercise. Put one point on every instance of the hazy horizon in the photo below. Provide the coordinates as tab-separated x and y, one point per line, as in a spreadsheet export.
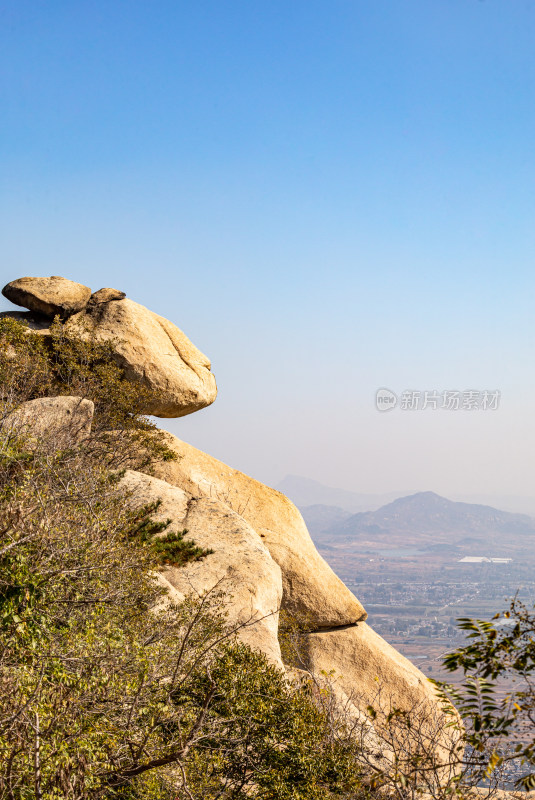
327	198
522	504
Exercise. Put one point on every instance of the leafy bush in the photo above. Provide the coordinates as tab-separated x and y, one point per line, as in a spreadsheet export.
503	725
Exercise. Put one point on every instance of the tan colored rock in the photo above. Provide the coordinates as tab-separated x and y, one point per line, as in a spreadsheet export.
65	419
240	564
154	353
311	589
369	672
105	296
48	296
364	663
172	595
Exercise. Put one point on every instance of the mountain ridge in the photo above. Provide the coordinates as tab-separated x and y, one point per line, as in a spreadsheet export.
305	492
427	519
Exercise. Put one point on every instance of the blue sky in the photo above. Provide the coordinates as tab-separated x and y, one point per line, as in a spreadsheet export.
327	197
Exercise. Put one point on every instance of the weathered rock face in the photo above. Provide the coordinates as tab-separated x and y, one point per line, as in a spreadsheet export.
105	295
154	353
48	296
240	565
364	664
365	671
64	419
263	556
311	589
371	673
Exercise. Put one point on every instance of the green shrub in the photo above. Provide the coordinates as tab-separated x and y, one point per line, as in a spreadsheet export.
170	548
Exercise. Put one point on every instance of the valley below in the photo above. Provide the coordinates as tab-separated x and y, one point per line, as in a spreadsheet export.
421	562
415	600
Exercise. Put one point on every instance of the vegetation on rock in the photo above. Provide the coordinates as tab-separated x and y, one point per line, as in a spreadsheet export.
107	689
58	363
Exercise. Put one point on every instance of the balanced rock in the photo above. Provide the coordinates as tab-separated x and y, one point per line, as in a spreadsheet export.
105	296
311	589
48	296
239	564
153	352
64	419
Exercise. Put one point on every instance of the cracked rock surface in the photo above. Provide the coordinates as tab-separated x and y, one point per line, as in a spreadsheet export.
240	565
311	589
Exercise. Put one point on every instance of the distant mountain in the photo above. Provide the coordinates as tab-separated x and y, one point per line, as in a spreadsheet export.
320	518
428	520
306	492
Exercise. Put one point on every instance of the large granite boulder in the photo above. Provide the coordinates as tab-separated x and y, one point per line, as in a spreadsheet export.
48	296
311	589
240	564
366	666
154	353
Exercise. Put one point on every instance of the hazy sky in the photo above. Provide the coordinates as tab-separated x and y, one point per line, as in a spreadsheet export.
327	197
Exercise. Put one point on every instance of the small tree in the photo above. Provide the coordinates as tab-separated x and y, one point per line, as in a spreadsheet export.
501	648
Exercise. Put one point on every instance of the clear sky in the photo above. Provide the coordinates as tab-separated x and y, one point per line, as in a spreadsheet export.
327	197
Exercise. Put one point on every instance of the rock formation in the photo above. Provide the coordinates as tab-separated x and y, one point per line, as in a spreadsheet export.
263	556
152	351
366	668
311	589
48	296
104	296
240	564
